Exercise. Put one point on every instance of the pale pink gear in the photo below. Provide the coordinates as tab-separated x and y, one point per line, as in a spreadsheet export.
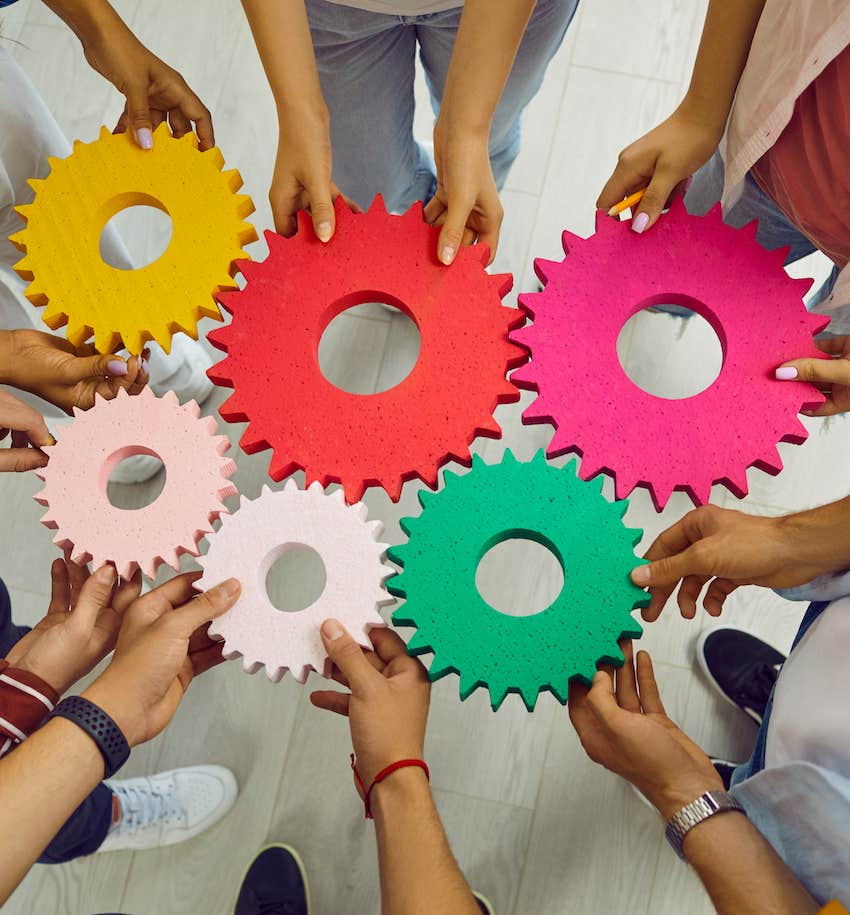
248	543
721	273
76	477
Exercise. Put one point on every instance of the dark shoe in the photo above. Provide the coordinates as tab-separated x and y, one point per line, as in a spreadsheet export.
725	768
484	904
274	884
742	667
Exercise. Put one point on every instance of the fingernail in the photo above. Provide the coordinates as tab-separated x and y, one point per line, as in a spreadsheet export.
447	255
145	366
52	440
105	574
324	231
640	222
640	575
227	588
332	630
144	138
117	367
786	373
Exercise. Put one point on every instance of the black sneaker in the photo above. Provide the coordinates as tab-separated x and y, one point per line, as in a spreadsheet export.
742	667
484	904
725	768
274	884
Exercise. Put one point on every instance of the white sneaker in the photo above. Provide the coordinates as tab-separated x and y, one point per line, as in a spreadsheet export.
183	370
169	807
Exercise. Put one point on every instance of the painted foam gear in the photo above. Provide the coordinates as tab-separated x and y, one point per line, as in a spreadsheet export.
566	641
61	241
381	439
723	274
76	478
250	541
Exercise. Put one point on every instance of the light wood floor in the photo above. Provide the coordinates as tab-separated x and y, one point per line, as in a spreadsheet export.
535	825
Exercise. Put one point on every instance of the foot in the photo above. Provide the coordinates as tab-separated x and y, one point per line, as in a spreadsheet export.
484	904
168	807
274	884
183	370
725	768
742	667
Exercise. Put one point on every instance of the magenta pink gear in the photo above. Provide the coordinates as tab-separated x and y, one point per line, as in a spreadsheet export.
719	272
76	477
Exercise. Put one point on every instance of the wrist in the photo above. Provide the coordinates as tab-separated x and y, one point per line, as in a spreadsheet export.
706	115
399	791
815	539
670	799
8	357
126	713
462	128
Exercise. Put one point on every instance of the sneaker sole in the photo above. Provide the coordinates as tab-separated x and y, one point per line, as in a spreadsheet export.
703	665
299	862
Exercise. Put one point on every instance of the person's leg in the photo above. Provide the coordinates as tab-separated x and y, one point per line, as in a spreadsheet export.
275	881
543	37
366	67
10	634
84	831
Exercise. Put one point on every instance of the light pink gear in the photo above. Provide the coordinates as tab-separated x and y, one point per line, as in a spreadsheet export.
721	273
75	481
260	532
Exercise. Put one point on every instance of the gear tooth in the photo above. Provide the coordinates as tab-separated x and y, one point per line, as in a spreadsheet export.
36	183
737	484
546	269
468	685
392	487
414	211
508	457
424	497
276	243
438	669
478	462
378	204
498	692
417	644
360	509
749	229
769	461
817	322
526	301
25	211
780	255
377	529
502	283
397	552
54	162
803	285
407	524
529	695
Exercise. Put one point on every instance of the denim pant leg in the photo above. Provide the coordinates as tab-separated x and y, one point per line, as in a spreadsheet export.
88	825
543	37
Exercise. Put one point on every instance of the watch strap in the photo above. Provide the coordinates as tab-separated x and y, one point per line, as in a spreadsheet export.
704	807
100	727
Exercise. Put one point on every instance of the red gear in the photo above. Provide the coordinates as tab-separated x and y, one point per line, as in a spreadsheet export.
357	440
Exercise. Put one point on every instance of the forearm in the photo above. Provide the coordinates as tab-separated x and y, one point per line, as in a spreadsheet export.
41	784
820	537
723	49
419	874
483	55
89	20
741	871
282	35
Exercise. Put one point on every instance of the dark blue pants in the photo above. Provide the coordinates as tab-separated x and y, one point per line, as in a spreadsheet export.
88	824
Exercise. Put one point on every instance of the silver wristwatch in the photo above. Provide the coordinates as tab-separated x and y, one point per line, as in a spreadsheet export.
705	806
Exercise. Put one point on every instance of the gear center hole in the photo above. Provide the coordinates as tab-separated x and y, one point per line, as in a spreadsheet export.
520	575
370	347
671	354
136	479
296	578
145	228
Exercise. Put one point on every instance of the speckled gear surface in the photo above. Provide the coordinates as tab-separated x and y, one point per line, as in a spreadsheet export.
61	241
260	532
566	641
77	474
381	439
721	273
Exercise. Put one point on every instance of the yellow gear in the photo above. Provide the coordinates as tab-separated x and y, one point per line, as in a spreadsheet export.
82	193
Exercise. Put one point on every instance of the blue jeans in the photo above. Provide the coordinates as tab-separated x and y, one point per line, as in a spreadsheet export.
88	825
755	763
366	68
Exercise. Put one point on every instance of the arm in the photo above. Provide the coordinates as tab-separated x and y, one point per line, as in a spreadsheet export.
387	711
622	725
302	174
154	91
725	548
667	156
467	203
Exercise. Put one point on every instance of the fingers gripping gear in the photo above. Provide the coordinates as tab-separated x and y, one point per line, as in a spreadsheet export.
76	477
249	542
73	284
503	653
379	439
721	273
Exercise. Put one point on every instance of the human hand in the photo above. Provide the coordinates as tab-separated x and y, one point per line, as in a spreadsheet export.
661	161
466	205
162	645
728	549
81	625
830	376
625	729
29	434
387	707
65	375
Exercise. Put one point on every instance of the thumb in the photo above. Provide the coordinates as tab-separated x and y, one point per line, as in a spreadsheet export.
451	235
95	594
322	210
669	570
99	366
824	371
654	200
205	607
348	656
139	115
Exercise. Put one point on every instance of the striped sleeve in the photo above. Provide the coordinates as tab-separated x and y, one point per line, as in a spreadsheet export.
25	701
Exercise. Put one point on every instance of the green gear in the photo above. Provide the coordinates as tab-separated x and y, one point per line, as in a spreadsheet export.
565	642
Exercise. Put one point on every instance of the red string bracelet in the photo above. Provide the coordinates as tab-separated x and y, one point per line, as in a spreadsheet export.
401	764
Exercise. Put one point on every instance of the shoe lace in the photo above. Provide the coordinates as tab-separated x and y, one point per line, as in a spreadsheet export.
142	806
756	685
